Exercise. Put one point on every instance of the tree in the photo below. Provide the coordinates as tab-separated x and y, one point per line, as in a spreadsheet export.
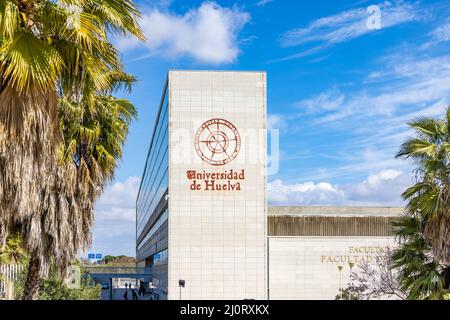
420	274
430	196
12	251
53	52
407	272
377	279
54	288
410	271
94	131
119	260
347	294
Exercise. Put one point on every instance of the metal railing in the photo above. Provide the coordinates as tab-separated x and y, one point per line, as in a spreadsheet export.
116	270
8	273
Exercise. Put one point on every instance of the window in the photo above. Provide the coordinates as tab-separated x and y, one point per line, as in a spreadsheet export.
155	180
160	258
162	218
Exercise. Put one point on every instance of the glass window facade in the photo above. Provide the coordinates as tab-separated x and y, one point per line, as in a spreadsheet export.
155	178
162	218
160	258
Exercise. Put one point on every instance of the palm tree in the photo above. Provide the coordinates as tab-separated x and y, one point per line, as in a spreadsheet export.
51	51
13	251
420	275
93	131
430	196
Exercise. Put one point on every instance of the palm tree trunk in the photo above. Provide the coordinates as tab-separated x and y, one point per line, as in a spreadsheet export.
31	289
447	278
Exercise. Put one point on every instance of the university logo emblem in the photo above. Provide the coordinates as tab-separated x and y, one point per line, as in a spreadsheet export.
217	142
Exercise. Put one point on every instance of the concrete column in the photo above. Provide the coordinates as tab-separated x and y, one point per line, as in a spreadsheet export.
110	289
9	286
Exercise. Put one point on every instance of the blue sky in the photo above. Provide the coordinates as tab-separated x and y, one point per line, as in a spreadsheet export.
340	89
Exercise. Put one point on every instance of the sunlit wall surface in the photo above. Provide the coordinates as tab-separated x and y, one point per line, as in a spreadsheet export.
201	208
217	185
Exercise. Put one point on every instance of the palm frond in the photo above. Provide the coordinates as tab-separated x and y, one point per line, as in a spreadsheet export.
429	128
26	61
120	16
417	148
9	19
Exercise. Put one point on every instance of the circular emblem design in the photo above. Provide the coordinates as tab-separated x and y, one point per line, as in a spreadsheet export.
217	142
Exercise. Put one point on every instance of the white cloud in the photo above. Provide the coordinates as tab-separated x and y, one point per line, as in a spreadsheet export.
262	3
331	99
308	193
380	189
115	216
372	120
345	26
207	34
441	33
373	110
384	187
276	121
404	88
403	65
118	201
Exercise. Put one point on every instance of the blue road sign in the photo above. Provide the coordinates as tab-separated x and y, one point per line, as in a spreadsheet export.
98	256
91	255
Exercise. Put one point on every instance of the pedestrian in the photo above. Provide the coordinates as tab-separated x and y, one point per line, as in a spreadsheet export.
125	295
135	296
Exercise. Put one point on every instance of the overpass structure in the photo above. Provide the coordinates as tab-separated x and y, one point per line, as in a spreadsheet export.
117	272
101	273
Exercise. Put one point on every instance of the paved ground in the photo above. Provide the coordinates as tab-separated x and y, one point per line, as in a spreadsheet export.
118	294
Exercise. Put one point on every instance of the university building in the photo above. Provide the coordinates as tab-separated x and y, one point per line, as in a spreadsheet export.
311	249
201	207
201	210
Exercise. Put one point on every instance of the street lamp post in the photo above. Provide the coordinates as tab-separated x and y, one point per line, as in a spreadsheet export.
351	265
340	279
181	284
